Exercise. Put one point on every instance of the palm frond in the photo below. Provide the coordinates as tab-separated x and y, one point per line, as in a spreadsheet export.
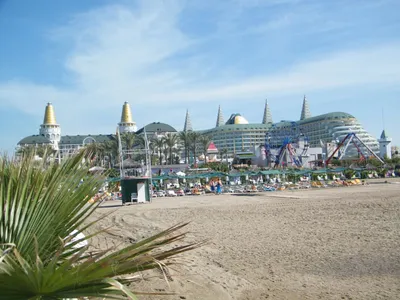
41	205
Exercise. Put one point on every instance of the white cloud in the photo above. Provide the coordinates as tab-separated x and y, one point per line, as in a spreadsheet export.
379	66
119	53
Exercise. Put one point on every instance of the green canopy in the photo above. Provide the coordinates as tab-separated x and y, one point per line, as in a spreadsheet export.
271	172
113	179
162	177
322	171
301	172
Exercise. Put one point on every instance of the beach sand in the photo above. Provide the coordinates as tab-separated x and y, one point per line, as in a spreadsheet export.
336	243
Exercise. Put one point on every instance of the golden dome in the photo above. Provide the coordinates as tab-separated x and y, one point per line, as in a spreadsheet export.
126	116
240	120
236	119
49	115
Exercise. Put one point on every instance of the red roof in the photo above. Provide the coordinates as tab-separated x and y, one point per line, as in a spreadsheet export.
212	148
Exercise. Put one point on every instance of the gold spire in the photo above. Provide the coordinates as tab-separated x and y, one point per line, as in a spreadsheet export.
49	115
126	116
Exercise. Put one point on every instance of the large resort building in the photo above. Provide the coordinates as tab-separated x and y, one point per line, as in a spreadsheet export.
236	135
66	145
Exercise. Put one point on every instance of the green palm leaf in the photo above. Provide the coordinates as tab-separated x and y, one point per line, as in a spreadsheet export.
41	205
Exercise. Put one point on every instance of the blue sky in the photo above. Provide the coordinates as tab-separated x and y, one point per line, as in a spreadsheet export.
163	57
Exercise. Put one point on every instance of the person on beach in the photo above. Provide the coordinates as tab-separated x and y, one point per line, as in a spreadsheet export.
219	187
212	186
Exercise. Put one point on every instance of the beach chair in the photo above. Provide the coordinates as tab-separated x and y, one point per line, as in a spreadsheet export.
171	193
269	189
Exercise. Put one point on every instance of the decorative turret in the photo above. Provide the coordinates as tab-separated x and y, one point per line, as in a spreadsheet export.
305	111
188	122
385	143
267	118
50	129
127	124
220	118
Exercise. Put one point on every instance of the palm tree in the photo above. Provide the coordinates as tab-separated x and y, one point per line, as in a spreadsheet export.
111	150
223	152
43	210
171	142
194	138
96	152
39	150
45	150
153	150
140	141
128	140
205	143
159	145
185	139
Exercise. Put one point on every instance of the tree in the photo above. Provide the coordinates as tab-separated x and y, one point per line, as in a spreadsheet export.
39	150
128	140
171	142
111	150
205	143
194	138
96	152
159	145
40	218
185	140
153	150
223	152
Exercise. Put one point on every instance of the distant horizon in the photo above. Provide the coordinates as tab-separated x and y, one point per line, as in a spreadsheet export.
166	56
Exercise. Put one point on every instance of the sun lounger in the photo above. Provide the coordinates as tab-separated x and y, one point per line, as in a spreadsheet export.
171	193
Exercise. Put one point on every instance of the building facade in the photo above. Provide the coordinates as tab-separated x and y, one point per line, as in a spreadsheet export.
127	124
234	136
238	135
385	146
156	130
66	145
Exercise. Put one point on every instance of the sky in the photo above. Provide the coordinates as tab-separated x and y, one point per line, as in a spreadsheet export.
164	57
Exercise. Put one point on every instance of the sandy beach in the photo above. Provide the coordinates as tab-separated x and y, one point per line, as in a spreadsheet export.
336	243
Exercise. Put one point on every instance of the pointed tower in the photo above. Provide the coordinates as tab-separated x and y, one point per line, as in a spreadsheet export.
267	118
50	129
385	146
220	118
305	111
188	122
126	124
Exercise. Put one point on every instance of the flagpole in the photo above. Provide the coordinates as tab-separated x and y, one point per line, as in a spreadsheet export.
148	161
121	167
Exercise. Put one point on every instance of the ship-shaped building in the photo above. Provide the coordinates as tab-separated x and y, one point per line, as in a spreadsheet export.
238	135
